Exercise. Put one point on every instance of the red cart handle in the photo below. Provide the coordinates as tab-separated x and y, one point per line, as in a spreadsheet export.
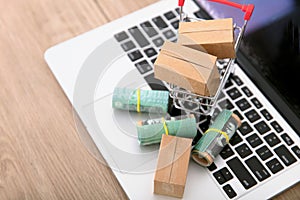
181	3
247	9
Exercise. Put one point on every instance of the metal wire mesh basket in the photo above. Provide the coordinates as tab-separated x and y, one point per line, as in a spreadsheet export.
204	105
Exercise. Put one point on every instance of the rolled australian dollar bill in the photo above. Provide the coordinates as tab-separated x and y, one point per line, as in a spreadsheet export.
215	138
138	100
150	131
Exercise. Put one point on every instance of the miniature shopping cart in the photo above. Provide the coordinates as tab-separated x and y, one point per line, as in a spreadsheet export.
205	105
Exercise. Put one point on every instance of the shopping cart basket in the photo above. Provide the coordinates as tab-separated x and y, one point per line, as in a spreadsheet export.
204	105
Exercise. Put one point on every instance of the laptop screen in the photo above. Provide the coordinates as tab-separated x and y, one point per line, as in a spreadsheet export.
271	45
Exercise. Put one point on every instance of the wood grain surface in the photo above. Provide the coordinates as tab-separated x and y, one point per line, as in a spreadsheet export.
41	155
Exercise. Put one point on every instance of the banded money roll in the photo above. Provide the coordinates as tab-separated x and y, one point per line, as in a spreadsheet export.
150	131
215	138
151	101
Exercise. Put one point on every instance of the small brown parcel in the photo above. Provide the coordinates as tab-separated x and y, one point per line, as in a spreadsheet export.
187	68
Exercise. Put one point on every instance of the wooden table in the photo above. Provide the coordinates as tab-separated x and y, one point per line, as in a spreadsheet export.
41	155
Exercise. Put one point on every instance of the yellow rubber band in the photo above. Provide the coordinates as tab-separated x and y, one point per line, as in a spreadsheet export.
219	131
138	103
165	126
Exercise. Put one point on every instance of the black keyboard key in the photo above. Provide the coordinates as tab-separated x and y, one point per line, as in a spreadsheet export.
212	167
158	42
235	139
177	10
190	105
226	174
153	60
215	113
256	103
202	14
204	122
257	168
149	29
135	55
264	153
238	114
241	173
276	126
229	191
228	84
243	104
262	127
223	62
266	114
243	150
127	46
226	152
254	140
284	154
296	150
219	177
169	34
274	165
252	115
121	36
150	52
272	139
287	139
247	92
143	67
169	15
234	93
237	80
226	104
221	95
175	24
198	14
222	175
160	23
138	36
154	83
245	128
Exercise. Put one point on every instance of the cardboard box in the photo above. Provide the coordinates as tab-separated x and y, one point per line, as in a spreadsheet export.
215	37
187	68
172	166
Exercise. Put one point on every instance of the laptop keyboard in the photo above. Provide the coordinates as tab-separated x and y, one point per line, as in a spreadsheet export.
259	149
143	41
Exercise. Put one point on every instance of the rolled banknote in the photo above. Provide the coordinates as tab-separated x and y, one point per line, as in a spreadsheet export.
150	131
215	138
151	101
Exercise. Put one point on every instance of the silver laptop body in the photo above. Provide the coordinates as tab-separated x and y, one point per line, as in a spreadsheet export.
88	68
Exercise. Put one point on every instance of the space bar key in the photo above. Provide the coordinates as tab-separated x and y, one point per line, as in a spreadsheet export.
241	173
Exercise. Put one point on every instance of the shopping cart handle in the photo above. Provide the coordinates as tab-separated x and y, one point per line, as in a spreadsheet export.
181	3
247	9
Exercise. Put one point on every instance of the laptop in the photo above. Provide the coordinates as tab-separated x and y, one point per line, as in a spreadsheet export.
262	158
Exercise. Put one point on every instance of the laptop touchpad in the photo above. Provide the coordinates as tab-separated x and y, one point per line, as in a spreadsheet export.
114	131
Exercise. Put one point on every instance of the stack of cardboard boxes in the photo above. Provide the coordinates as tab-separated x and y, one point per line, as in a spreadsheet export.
191	62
